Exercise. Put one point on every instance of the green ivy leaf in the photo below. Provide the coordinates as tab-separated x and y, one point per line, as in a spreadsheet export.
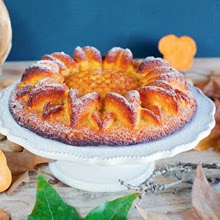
49	205
114	210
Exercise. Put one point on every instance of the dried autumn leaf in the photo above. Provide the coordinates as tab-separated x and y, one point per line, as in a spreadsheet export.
204	199
13	146
213	140
17	180
217	115
211	87
21	162
185	215
4	215
2	137
205	202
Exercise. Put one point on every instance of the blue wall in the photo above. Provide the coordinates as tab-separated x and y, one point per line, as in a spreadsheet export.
45	26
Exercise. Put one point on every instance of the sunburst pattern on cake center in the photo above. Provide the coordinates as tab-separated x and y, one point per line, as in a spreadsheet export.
103	82
113	74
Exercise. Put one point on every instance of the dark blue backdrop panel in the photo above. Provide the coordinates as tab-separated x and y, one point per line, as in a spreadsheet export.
45	26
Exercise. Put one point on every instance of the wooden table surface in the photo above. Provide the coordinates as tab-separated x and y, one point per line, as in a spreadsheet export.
21	202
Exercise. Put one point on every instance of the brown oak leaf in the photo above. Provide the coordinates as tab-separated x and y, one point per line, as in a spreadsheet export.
211	88
205	202
217	115
17	180
213	139
4	215
20	163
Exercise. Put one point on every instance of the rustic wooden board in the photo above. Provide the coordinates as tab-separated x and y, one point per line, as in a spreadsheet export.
20	203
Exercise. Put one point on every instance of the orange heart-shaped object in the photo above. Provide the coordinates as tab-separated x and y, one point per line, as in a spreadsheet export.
178	51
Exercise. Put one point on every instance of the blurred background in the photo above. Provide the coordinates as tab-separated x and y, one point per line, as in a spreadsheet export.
41	27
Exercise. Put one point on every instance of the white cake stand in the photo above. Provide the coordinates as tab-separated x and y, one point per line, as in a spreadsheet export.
99	168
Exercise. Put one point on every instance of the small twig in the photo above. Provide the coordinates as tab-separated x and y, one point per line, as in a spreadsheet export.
204	165
214	180
177	170
52	178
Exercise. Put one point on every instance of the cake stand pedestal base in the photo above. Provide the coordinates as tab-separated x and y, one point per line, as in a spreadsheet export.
99	178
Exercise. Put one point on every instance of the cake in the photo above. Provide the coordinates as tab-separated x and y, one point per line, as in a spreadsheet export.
94	100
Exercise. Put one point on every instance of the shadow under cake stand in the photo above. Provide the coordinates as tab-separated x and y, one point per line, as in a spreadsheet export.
99	168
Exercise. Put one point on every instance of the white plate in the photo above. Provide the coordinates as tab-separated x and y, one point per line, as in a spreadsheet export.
131	163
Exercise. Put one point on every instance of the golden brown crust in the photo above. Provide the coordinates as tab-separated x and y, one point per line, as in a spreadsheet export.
41	70
151	63
95	100
165	99
118	59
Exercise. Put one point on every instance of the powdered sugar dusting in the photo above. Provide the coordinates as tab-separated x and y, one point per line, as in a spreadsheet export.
47	81
93	54
112	54
115	50
150	63
133	96
131	108
79	54
82	101
158	90
82	105
47	64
